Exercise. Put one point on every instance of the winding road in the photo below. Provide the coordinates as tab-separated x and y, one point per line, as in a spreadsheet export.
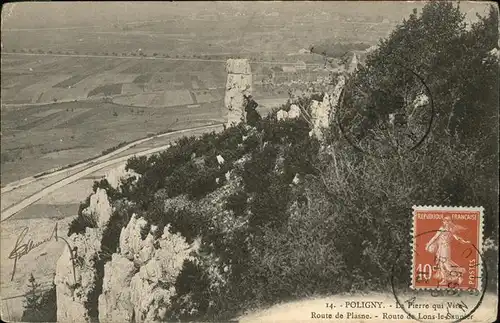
89	167
155	58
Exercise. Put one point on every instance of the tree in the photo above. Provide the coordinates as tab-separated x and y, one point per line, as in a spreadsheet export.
438	47
39	306
459	157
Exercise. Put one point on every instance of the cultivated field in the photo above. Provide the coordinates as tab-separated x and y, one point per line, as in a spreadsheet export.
50	79
39	138
70	97
58	110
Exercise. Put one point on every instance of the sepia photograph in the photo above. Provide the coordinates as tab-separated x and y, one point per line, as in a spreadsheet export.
249	161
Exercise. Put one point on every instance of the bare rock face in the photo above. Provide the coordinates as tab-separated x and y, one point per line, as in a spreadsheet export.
75	278
282	115
294	112
335	97
76	274
239	83
118	272
131	244
322	113
76	268
99	207
320	116
353	64
139	280
421	100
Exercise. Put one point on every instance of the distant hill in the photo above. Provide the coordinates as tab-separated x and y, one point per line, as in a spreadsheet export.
71	14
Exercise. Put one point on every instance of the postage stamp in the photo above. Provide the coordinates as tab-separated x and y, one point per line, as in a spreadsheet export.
447	243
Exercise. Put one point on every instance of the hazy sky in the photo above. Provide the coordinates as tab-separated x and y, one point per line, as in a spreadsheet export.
68	14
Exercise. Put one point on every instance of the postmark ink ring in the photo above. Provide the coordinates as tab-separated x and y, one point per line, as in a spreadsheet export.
386	111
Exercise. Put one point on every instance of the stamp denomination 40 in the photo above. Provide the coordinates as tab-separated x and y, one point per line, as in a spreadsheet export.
446	247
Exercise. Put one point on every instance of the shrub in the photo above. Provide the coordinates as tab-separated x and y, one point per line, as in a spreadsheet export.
192	297
237	202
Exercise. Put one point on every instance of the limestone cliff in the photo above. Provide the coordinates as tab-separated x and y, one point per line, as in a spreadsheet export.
239	83
320	112
99	208
139	280
76	276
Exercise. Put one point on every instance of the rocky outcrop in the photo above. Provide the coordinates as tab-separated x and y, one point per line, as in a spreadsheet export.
353	64
139	280
115	305
75	277
238	85
421	100
99	208
323	112
294	112
282	115
335	97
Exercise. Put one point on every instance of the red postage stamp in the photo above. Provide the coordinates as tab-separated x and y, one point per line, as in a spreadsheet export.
447	243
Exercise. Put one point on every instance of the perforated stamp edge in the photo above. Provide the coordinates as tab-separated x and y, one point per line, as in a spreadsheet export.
480	245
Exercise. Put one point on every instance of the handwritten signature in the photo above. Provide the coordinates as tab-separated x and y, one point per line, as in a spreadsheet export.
22	248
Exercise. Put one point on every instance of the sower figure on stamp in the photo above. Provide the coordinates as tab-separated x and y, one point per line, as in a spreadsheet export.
440	244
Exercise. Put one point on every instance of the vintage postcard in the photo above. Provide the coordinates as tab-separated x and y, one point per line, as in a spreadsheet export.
253	161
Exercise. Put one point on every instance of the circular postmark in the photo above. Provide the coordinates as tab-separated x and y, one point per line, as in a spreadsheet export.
444	290
385	109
